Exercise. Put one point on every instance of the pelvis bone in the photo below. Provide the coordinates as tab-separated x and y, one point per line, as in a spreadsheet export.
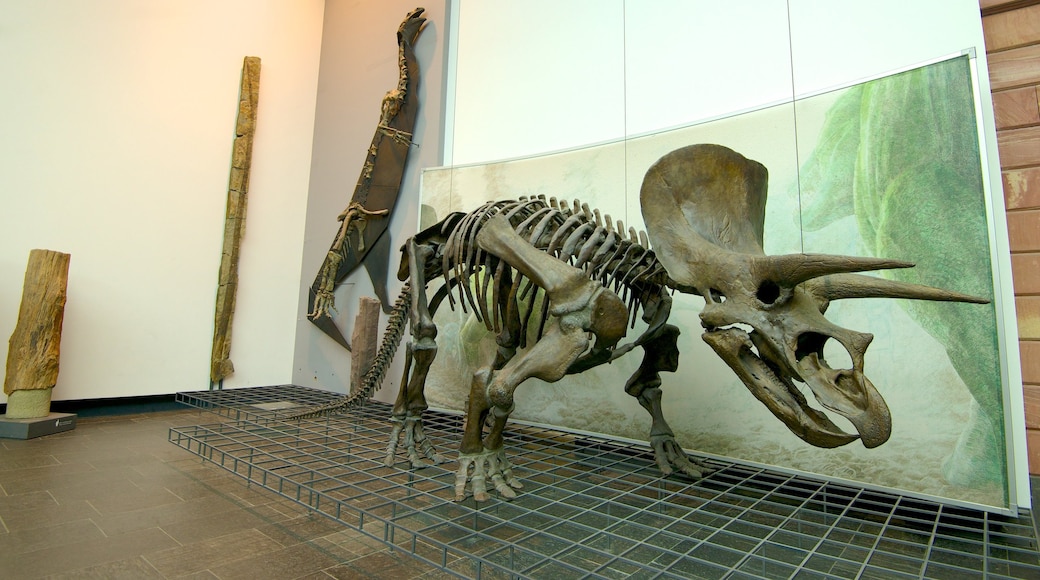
704	208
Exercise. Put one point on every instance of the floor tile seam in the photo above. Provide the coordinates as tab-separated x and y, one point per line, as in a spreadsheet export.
82	570
43	529
251	509
72	546
308	543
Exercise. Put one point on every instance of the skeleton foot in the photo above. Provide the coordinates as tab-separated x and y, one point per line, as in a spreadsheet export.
415	442
668	453
488	464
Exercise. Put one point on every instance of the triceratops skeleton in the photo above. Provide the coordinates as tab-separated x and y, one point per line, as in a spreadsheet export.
704	208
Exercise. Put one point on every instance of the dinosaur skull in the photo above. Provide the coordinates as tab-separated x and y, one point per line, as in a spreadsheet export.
704	208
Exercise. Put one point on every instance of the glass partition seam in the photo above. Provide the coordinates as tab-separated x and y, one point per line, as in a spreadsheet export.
794	120
624	101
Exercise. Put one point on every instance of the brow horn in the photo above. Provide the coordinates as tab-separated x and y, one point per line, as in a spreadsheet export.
839	286
789	270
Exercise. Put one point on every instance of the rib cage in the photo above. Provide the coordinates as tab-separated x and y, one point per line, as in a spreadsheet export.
573	233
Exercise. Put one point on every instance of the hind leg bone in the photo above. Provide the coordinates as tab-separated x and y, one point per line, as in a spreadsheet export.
411	400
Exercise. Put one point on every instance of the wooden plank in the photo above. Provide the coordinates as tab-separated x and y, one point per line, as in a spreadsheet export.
990	7
1032	401
1019	147
364	340
1033	449
1012	29
1026	270
1028	308
1021	188
1029	350
1014	68
1024	230
1016	108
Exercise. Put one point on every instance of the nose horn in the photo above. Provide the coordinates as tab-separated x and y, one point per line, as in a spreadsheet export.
854	286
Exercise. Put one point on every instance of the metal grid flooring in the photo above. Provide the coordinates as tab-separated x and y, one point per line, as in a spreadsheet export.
595	508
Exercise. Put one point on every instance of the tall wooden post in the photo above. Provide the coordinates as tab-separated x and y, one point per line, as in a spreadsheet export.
32	356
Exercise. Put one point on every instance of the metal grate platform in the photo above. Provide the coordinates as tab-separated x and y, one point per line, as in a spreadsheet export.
594	508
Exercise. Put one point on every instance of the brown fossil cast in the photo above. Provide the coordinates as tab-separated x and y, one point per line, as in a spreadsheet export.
234	221
35	345
361	237
572	281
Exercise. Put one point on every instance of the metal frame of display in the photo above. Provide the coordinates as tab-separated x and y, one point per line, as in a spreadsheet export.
592	507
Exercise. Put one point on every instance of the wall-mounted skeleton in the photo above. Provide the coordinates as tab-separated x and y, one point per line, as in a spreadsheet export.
575	282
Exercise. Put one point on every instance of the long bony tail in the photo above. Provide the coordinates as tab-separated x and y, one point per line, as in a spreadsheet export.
373	379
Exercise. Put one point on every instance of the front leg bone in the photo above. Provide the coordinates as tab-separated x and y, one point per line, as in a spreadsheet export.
580	307
661	354
488	464
667	451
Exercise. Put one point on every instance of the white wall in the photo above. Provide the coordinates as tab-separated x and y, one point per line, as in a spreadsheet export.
118	119
358	66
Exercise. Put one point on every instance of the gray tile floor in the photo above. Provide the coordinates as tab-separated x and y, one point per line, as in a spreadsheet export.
114	499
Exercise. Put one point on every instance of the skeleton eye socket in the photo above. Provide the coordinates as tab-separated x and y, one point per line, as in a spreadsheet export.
717	296
768	292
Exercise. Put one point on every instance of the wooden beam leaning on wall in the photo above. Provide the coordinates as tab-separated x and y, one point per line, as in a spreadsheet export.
32	356
235	220
365	340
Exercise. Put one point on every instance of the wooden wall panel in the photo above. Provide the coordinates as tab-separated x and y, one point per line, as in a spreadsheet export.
1028	317
1012	32
1018	67
1021	188
1032	400
1033	445
990	7
1019	147
1016	108
1030	351
1026	272
1024	230
1012	29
